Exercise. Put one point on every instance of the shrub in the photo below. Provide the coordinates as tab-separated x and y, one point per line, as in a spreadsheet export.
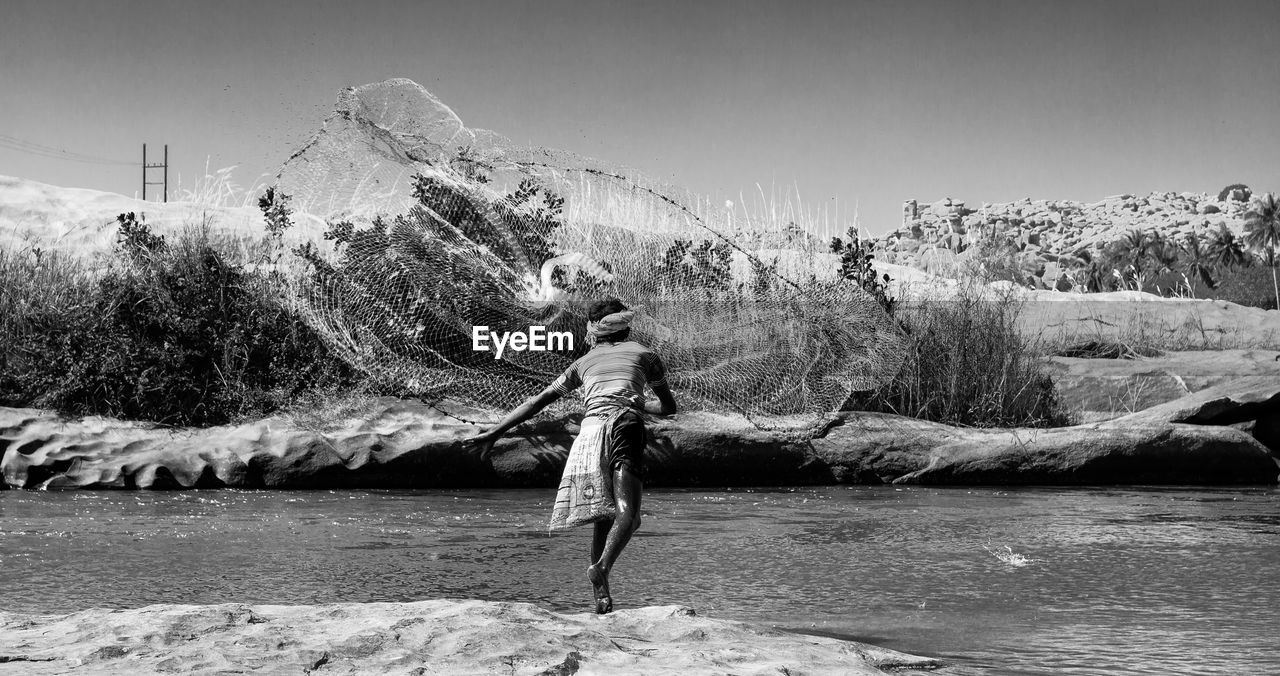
275	210
1106	349
704	265
856	256
135	238
42	294
968	364
995	259
1251	286
171	332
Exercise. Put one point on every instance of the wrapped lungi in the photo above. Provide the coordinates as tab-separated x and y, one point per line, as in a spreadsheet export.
586	489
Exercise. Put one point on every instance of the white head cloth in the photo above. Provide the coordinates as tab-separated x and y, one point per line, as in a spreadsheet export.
610	324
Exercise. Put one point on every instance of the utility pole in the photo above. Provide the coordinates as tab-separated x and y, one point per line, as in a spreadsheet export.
161	165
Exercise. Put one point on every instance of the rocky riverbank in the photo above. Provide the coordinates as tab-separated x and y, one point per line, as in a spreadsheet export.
425	637
1052	237
1225	434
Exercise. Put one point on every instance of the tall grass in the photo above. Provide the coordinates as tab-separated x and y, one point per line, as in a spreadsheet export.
969	364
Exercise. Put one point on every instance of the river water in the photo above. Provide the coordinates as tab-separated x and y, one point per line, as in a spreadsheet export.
1027	581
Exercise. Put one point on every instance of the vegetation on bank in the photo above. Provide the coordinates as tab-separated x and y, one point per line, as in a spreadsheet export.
1215	263
966	363
176	332
195	331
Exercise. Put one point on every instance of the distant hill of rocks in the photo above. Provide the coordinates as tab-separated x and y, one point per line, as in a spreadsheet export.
1051	237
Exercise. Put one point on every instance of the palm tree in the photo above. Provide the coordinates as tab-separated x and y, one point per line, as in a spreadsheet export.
1162	251
1134	248
1262	232
1196	261
1226	250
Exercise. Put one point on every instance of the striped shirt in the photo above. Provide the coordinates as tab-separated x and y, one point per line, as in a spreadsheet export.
611	375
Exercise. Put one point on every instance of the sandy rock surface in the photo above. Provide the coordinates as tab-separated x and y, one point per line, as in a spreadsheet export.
425	637
82	223
1138	318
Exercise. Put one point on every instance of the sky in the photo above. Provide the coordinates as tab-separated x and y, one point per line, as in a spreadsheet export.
852	104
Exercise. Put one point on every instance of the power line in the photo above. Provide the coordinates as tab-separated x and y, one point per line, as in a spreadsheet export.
40	150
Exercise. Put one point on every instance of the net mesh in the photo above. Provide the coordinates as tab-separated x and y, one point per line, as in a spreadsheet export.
437	230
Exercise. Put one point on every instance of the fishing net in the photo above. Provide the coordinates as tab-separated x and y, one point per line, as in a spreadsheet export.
436	230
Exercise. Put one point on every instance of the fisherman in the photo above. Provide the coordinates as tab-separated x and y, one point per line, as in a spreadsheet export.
603	475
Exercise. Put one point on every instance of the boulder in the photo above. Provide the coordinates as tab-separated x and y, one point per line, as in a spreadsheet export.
438	636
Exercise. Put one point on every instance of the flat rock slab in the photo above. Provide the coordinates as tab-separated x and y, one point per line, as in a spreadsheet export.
1242	400
1222	435
1143	454
1100	389
425	637
1138	318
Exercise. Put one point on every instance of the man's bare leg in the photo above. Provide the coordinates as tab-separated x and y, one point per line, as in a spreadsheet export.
626	496
599	537
599	582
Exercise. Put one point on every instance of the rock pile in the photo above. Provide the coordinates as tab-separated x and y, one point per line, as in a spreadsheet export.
1051	237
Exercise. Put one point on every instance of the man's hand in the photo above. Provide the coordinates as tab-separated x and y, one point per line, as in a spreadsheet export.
666	404
481	443
657	409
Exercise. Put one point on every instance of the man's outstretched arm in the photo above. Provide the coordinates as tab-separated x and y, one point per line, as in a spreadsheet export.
531	407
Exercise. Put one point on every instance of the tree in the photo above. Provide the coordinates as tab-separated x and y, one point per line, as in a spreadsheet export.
1163	252
1135	250
1226	250
856	255
1262	232
1197	262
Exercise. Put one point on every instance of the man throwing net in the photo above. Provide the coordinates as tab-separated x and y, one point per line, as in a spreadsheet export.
603	475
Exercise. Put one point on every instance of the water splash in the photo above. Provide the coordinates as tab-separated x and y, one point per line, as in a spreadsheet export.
1008	556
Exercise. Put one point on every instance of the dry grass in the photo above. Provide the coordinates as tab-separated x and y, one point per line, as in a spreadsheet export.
37	285
968	364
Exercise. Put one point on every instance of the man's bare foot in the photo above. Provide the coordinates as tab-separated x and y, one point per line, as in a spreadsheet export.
600	584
